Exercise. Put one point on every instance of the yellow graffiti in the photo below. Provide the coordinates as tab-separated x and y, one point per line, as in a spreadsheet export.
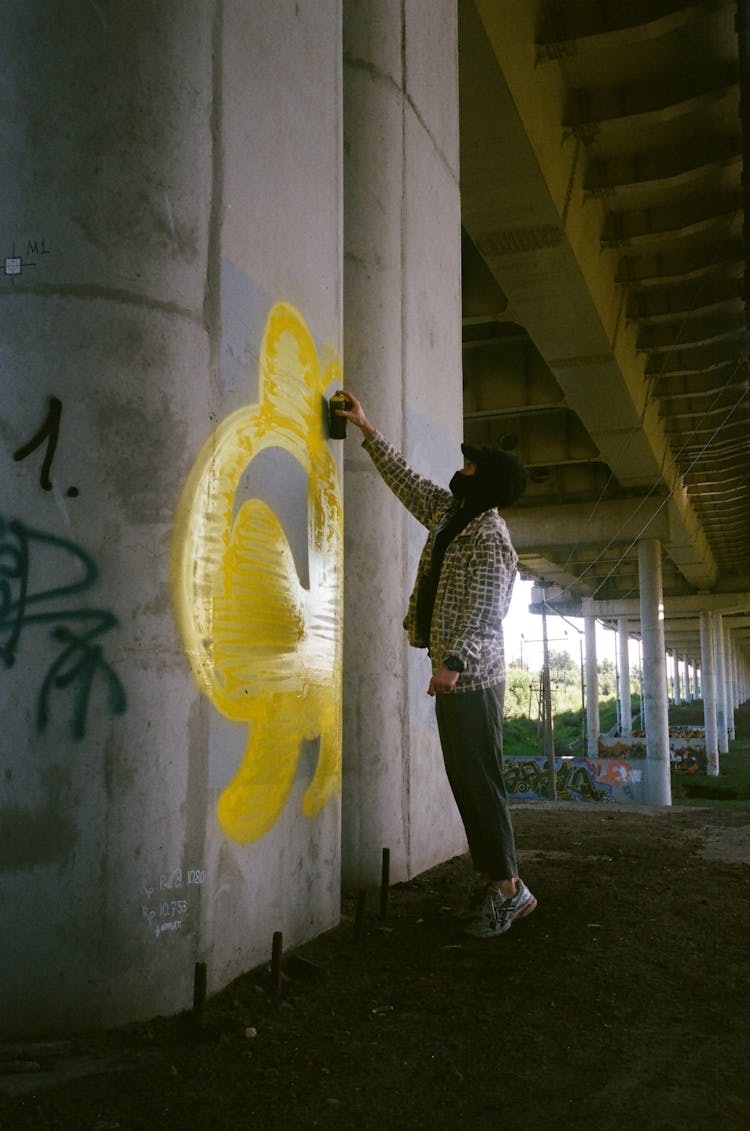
263	648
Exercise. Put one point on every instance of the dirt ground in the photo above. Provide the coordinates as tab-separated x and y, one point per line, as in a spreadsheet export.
622	1002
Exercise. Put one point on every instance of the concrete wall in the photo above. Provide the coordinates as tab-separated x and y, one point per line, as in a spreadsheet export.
603	780
171	571
403	358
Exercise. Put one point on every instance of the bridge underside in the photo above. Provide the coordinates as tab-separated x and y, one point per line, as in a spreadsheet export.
604	294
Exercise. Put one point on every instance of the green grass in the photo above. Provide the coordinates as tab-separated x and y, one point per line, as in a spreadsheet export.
522	738
732	787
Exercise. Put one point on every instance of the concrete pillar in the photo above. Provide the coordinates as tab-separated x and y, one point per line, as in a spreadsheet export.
709	694
685	662
658	787
623	644
402	329
592	688
729	667
720	683
676	678
171	173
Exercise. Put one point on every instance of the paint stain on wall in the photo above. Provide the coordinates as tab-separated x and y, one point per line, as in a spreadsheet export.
265	649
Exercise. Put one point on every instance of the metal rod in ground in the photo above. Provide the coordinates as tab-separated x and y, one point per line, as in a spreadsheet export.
277	950
359	916
385	879
200	981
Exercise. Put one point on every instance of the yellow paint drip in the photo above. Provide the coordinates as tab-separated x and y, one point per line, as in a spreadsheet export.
265	650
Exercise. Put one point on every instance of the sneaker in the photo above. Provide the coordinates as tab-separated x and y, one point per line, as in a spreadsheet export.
498	913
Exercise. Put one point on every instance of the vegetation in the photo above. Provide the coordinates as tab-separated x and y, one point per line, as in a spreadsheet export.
732	787
523	687
523	735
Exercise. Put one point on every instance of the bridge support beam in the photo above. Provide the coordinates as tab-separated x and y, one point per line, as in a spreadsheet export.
676	678
626	715
729	659
709	694
655	709
592	688
720	684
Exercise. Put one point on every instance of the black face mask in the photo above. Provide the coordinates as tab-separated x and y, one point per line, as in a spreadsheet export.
462	486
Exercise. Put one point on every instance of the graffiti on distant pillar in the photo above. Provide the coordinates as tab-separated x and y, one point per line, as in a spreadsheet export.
75	631
575	779
265	649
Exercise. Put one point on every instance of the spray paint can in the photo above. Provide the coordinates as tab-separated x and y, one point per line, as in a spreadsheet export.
337	424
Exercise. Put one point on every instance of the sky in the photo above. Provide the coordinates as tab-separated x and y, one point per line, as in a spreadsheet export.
561	634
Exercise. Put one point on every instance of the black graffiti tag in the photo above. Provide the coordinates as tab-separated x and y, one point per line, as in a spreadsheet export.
76	630
49	431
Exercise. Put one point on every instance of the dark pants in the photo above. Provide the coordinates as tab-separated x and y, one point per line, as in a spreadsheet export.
471	735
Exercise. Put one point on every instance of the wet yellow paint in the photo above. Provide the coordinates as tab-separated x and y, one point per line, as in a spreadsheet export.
265	650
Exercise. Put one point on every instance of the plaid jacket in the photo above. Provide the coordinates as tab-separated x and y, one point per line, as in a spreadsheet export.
476	579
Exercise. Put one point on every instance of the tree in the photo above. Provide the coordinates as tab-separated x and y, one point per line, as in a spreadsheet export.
607	679
517	692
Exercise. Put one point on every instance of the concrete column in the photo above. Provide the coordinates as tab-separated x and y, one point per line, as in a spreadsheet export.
402	330
729	667
658	787
742	678
685	679
720	683
676	678
709	694
171	173
623	644
592	688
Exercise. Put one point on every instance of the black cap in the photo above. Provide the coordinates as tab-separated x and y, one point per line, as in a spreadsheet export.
471	452
500	477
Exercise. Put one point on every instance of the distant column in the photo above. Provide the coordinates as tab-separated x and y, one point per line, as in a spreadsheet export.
592	688
658	786
730	683
709	698
676	677
686	679
626	714
720	683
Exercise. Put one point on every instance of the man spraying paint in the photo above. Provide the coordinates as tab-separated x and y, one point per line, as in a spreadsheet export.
462	592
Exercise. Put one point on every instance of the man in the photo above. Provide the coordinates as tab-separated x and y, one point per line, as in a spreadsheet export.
462	592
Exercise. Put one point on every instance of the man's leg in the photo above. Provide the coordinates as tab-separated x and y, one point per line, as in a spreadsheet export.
471	736
470	726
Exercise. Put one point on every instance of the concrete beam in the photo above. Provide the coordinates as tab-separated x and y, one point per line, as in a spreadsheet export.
544	530
674	607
